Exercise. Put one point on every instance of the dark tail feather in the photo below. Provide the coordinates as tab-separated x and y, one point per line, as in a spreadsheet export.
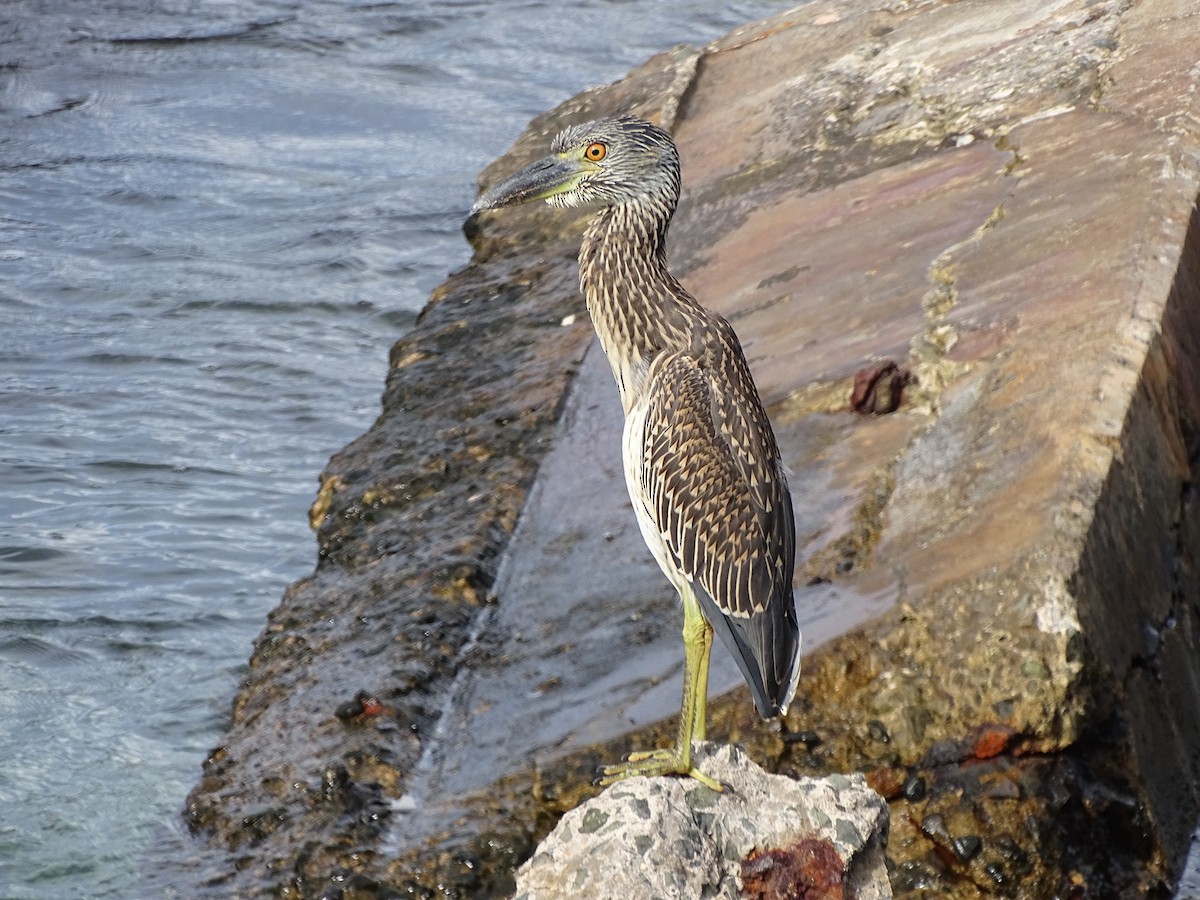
766	647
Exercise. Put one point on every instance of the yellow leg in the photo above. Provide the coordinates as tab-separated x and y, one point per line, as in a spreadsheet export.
697	644
700	692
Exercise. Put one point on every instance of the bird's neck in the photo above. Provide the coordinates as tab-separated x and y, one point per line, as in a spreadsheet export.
637	307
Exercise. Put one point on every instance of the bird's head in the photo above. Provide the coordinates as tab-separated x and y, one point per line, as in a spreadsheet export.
597	164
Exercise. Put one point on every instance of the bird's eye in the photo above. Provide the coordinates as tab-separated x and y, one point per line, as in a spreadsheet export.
596	152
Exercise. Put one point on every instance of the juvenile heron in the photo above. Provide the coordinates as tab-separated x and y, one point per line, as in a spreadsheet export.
701	462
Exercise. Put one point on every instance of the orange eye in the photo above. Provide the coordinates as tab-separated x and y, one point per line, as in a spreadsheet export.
595	152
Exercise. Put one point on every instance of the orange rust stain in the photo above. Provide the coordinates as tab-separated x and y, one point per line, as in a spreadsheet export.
989	740
808	870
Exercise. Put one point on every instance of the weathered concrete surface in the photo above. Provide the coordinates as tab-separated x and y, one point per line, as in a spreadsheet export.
765	836
999	195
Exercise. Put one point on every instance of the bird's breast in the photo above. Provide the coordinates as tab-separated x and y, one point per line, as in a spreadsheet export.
633	445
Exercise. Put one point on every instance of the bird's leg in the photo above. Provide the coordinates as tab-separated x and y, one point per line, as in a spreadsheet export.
697	643
701	689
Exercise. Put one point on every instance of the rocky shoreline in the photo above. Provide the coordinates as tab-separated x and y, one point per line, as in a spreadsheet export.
1001	574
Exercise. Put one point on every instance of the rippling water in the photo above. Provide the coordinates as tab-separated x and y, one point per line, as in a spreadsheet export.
215	217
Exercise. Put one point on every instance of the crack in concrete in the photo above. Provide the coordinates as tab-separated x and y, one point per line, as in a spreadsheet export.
687	75
1111	45
930	362
929	351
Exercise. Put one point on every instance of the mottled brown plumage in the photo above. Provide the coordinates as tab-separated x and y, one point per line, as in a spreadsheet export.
701	462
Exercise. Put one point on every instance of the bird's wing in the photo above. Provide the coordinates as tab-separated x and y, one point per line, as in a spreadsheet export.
743	427
716	491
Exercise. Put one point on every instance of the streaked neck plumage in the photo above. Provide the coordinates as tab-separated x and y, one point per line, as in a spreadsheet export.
638	308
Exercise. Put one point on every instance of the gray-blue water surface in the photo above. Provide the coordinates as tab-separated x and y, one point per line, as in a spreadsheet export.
215	217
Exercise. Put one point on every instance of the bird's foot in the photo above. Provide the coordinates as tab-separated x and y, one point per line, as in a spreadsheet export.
652	763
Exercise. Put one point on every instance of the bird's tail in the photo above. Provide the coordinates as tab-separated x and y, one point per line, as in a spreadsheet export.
766	647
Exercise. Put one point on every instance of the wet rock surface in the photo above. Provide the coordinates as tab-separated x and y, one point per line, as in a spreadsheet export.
1000	572
764	836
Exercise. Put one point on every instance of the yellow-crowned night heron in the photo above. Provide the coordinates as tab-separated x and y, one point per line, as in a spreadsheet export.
701	462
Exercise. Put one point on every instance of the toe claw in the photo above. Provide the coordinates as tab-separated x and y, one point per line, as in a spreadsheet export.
652	763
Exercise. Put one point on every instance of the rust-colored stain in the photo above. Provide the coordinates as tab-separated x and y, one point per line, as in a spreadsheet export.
809	870
988	740
364	706
879	390
887	781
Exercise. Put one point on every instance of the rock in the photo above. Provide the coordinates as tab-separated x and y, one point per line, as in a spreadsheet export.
765	836
1000	573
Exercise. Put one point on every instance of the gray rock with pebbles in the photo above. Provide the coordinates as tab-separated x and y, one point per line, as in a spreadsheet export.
763	836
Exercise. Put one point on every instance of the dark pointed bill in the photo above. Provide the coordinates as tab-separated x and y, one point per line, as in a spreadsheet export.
537	181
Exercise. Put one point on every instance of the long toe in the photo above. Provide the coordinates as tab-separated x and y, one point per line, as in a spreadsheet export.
655	763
